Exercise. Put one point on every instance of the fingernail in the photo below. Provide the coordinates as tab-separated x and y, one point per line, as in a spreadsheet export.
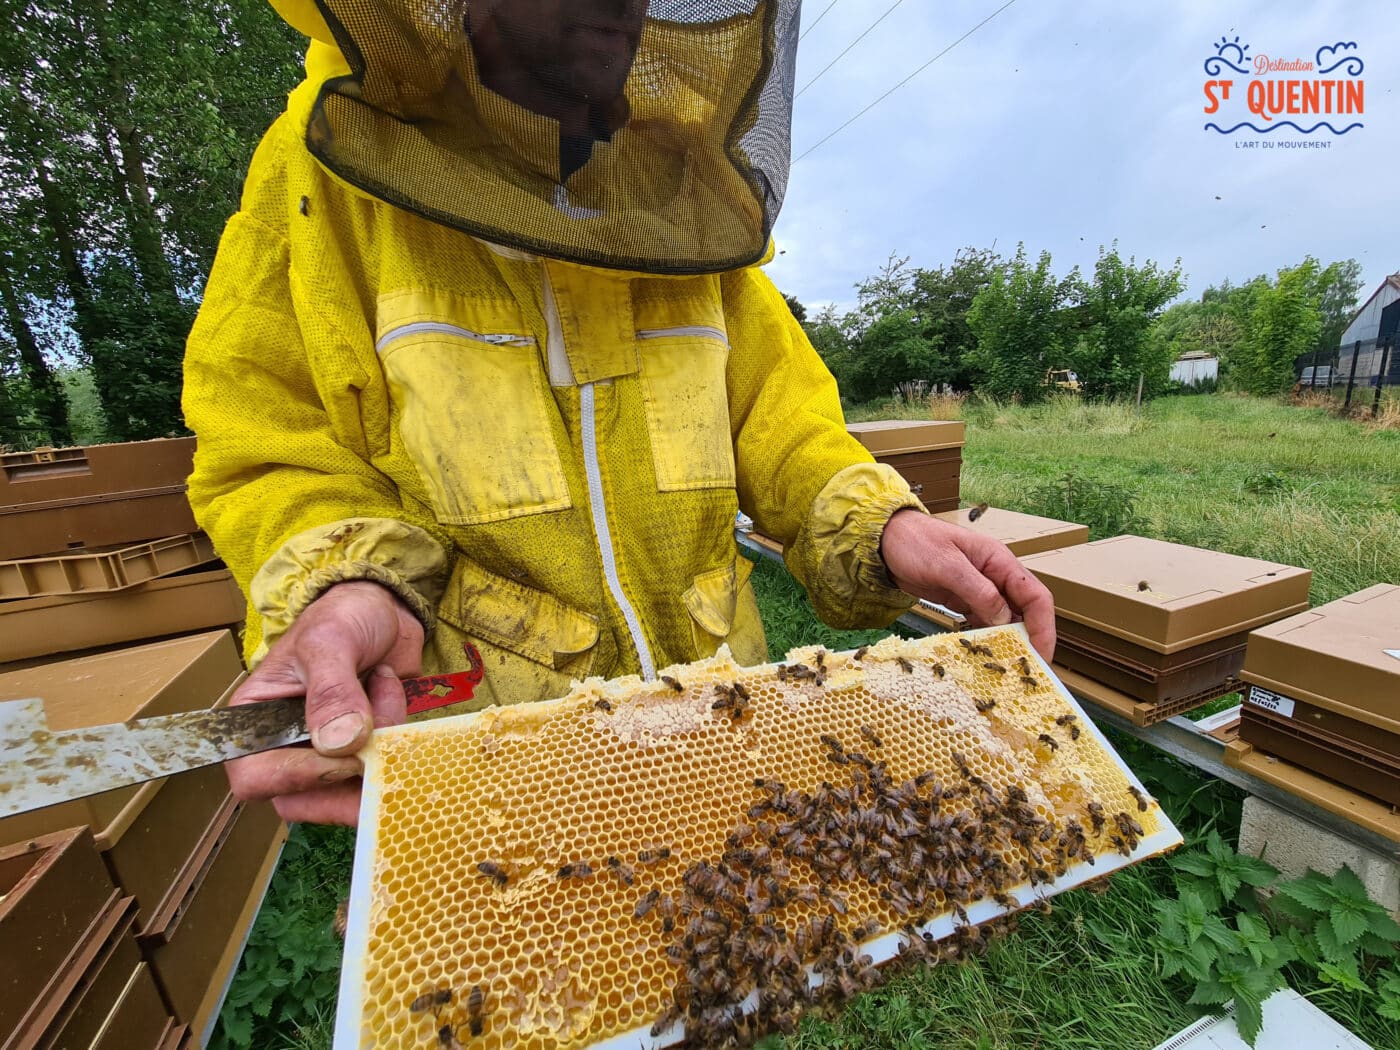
385	671
335	776
1002	617
340	732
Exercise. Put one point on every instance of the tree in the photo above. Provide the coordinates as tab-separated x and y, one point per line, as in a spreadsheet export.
1018	326
1336	287
1284	323
1116	311
798	310
942	299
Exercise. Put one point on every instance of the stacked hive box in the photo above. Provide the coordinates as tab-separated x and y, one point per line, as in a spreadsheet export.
1022	533
1162	626
1324	691
98	550
98	547
80	980
928	455
191	861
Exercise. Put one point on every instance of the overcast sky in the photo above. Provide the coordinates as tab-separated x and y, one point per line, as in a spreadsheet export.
1069	124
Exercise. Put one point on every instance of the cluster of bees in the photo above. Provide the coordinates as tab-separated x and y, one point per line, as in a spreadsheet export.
449	1024
776	902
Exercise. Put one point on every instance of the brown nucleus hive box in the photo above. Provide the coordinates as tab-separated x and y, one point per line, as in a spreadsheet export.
1022	533
188	602
1162	622
102	495
927	453
1325	691
181	674
194	938
54	890
102	570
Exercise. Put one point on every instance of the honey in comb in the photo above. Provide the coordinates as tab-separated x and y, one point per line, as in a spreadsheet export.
566	962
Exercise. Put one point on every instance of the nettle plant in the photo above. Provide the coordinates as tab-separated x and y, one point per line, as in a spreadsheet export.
1318	928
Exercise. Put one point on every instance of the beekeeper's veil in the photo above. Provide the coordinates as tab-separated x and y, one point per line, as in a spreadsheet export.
638	134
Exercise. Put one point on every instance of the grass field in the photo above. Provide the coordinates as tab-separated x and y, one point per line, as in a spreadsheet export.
1235	474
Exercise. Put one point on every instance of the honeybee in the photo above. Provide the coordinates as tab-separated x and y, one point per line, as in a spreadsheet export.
577	870
904	665
1096	817
983	706
438	997
305	206
740	691
1030	681
1142	799
602	705
992	665
940	670
1143	585
445	1037
1025	664
869	734
976	512
820	660
859	654
621	870
673	683
647	903
1049	741
493	871
476	1020
653	856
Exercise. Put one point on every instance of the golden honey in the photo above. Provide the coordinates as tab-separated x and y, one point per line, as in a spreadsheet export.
518	850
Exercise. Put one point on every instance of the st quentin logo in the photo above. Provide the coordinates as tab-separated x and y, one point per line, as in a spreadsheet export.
1274	91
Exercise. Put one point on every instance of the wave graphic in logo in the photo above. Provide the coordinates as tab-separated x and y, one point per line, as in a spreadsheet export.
1353	63
1282	124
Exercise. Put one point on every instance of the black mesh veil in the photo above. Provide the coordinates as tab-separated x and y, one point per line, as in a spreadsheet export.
651	136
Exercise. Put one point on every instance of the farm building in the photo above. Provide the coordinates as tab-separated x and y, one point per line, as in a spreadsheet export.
1197	366
1375	324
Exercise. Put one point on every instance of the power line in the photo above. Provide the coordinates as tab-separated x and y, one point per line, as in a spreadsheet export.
906	80
852	44
817	19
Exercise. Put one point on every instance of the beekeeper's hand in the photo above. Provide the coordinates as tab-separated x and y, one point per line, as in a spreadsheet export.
346	653
968	572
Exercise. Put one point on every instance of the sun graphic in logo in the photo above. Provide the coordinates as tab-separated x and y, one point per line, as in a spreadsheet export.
1228	54
1241	51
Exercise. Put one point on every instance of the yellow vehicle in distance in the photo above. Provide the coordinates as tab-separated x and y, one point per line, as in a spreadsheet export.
1062	379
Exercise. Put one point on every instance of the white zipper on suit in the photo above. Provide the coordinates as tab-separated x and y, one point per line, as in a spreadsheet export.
703	330
441	328
596	504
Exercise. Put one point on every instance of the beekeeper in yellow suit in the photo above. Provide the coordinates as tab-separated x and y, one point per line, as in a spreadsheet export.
486	367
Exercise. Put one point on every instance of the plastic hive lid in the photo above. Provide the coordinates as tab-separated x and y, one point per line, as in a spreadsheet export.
1343	656
1192	595
110	570
885	437
663	784
1023	533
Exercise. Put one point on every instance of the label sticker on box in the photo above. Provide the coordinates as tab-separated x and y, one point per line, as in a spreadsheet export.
1271	701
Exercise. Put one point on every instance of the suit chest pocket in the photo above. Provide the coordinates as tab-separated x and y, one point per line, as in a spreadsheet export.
476	420
687	406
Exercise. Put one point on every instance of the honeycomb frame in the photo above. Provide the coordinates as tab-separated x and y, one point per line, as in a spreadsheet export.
664	725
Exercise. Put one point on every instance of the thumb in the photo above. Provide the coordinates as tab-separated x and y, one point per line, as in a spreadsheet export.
337	710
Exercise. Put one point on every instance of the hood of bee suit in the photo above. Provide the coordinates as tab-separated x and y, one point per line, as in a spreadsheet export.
643	135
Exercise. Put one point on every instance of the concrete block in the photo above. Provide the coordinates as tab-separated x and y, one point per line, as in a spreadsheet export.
1293	846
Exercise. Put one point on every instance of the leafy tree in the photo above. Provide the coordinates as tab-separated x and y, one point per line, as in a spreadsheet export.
798	310
1283	324
1337	287
942	299
1020	333
1116	311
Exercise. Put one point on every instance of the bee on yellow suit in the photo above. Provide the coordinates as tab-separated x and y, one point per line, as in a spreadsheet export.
487	365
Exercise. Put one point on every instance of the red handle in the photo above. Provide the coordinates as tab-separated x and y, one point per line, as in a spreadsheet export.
439	690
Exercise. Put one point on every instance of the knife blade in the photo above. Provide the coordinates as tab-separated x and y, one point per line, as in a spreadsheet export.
42	767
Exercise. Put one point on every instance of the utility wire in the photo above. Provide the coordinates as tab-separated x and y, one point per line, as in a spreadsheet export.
852	44
906	80
817	19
